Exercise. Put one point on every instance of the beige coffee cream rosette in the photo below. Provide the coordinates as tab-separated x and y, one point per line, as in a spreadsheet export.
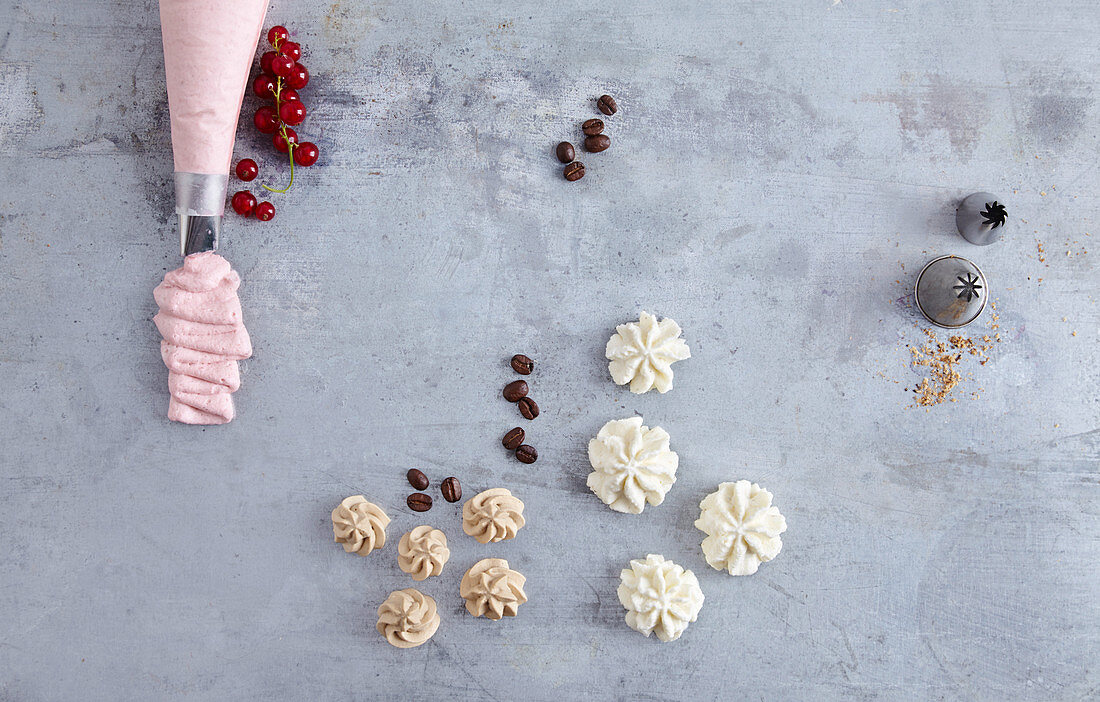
493	515
423	552
359	526
408	618
492	589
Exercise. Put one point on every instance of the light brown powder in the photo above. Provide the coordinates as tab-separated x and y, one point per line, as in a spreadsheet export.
944	361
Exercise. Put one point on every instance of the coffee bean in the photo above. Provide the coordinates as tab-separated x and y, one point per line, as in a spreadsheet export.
419	502
565	152
607	105
528	408
597	143
515	390
513	438
417	479
452	491
592	127
527	454
522	365
574	171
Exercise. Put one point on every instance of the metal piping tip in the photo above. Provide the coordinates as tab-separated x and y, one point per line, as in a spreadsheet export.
981	218
200	202
199	233
951	292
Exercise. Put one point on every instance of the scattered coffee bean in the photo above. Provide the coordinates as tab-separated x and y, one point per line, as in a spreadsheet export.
419	502
607	105
417	479
592	127
522	365
527	454
574	171
452	491
515	390
528	408
597	143
513	438
565	152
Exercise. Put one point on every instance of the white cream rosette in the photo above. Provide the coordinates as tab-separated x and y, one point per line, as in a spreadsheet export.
742	527
631	465
642	353
660	597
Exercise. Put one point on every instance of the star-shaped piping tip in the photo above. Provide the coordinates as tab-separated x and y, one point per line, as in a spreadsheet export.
994	214
968	287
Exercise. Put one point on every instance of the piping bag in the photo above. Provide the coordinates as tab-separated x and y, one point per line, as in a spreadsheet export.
208	50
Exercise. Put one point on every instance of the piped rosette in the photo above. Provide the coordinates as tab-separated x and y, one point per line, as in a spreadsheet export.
204	338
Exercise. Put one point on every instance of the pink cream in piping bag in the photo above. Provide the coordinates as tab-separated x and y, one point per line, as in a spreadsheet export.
208	50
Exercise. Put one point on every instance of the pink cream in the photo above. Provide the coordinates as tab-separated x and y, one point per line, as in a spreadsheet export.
204	337
208	51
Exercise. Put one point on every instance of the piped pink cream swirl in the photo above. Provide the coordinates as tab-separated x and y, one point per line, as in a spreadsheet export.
204	337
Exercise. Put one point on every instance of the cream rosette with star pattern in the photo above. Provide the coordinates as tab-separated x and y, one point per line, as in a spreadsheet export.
408	618
660	597
359	526
631	465
493	515
642	353
492	589
423	552
742	527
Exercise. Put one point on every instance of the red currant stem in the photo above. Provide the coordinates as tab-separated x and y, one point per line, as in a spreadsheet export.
290	150
290	146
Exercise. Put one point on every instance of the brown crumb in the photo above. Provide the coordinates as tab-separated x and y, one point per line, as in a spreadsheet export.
943	360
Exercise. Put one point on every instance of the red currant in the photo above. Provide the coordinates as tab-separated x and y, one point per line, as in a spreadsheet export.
281	143
247	169
265	211
277	34
244	203
298	77
266	120
264	86
292	50
265	62
282	66
306	153
289	94
293	113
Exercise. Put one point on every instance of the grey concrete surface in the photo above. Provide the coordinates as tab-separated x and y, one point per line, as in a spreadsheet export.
779	172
